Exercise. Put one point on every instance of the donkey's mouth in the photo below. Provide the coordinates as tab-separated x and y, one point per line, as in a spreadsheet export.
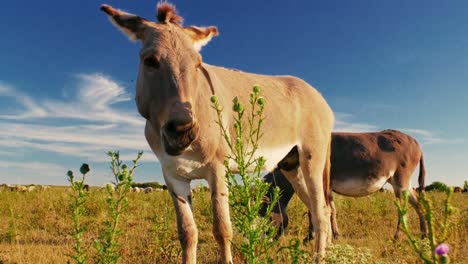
176	143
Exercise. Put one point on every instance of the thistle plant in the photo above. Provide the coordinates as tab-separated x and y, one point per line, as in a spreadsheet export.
77	207
246	189
107	245
438	249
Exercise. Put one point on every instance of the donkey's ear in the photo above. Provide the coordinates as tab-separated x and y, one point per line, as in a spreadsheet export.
201	35
131	25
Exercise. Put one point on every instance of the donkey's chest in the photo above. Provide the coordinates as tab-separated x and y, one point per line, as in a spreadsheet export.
188	167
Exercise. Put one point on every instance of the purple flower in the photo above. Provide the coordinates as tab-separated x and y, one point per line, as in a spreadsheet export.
442	249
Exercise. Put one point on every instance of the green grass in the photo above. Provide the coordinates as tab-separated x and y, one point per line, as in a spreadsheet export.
42	224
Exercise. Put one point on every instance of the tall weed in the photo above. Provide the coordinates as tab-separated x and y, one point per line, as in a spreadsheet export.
438	230
107	245
246	189
78	210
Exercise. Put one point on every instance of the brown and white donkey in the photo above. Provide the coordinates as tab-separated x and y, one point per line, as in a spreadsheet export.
173	93
361	163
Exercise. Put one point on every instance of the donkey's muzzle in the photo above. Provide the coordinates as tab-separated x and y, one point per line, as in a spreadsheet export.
178	135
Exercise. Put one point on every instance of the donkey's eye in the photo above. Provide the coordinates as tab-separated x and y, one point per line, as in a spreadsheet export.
151	62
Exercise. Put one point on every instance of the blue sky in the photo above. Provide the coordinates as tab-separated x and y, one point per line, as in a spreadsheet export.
67	75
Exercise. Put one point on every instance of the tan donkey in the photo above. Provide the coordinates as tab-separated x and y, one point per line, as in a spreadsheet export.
173	93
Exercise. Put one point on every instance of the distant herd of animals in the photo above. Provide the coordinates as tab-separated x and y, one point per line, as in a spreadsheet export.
86	187
173	91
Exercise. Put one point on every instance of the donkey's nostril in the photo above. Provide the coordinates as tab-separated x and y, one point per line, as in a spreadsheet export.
178	126
183	128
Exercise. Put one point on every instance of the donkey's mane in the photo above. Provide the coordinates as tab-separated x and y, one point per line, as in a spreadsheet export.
167	13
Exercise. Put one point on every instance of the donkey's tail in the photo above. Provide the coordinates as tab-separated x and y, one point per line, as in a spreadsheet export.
422	174
326	174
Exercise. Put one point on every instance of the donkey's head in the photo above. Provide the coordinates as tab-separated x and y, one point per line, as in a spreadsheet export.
167	79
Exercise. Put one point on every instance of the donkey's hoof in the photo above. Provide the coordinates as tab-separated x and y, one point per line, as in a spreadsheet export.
336	236
308	238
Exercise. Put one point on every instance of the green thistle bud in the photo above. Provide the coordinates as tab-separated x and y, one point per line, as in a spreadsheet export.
261	162
214	99
238	108
84	168
256	89
121	177
70	175
124	169
261	101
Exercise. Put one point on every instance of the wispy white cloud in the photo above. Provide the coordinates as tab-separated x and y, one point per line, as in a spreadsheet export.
31	165
96	94
33	172
107	136
344	123
9	153
30	108
80	146
428	137
100	108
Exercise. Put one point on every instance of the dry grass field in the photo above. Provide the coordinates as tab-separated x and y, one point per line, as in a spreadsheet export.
35	227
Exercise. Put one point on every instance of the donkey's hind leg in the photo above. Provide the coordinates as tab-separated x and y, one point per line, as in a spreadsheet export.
400	182
312	163
413	199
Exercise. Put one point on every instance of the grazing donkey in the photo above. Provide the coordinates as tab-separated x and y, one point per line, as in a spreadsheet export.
361	163
173	94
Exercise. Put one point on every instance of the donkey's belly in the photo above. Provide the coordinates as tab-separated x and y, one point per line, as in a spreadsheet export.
273	155
358	186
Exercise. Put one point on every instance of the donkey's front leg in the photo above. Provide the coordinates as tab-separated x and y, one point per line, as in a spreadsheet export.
222	230
188	233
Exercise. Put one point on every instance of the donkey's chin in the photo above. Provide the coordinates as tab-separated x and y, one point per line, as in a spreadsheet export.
176	143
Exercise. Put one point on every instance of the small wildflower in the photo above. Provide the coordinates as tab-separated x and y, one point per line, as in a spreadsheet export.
442	249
